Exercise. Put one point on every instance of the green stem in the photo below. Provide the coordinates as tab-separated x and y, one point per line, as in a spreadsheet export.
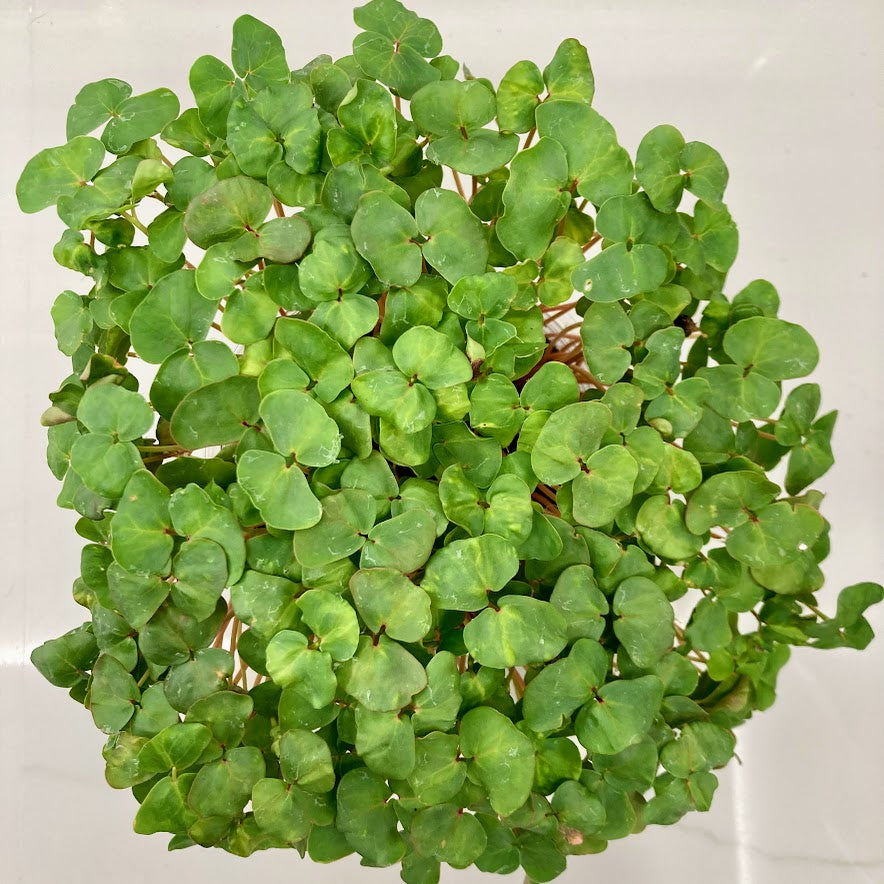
133	218
817	611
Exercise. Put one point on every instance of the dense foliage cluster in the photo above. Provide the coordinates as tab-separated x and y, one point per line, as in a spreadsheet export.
387	557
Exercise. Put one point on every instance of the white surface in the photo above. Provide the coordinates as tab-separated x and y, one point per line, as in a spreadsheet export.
790	93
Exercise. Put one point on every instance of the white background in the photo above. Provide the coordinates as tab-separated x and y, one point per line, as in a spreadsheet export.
790	93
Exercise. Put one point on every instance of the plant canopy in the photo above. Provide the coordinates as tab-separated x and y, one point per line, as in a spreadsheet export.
420	458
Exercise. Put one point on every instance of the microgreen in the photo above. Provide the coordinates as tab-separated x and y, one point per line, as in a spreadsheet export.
448	407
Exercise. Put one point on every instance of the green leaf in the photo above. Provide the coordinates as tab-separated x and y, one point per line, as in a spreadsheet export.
797	416
536	198
600	167
188	369
333	267
620	272
773	347
383	676
188	133
393	20
426	355
265	602
658	167
333	621
812	458
716	232
569	75
502	757
348	318
138	117
681	406
604	486
705	173
709	626
213	85
739	395
347	517
403	542
484	296
172	637
177	746
450	106
518	96
65	661
226	210
136	596
305	760
607	334
108	408
508	512
578	809
460	576
318	354
577	596
254	145
384	234
165	807
112	695
95	104
558	759
661	527
172	316
194	514
257	53
448	835
282	240
455	240
728	499
216	413
58	171
702	746
437	705
200	569
396	46
368	125
775	536
300	428
438	772
141	528
222	788
385	742
631	219
559	262
291	663
403	69
567	440
280	810
407	405
480	153
367	818
521	631
644	624
166	235
72	321
622	713
562	687
103	463
206	674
